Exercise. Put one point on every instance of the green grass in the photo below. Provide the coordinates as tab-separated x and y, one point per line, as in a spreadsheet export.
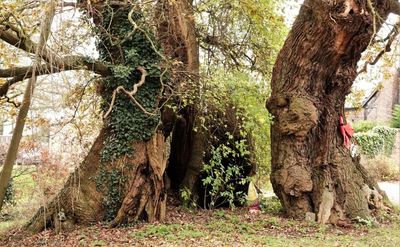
23	184
170	232
14	216
274	231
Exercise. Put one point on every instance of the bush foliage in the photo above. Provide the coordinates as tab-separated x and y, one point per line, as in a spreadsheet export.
245	146
383	168
364	126
379	140
396	117
247	96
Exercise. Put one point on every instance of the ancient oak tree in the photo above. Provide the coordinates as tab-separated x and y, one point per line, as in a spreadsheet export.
122	178
312	172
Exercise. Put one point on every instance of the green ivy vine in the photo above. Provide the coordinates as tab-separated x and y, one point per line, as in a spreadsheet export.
124	49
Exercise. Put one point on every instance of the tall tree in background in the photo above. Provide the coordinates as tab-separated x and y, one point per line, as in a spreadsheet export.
311	169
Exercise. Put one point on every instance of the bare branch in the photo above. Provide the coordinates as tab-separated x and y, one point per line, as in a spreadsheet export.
22	43
70	63
16	104
391	38
67	63
4	87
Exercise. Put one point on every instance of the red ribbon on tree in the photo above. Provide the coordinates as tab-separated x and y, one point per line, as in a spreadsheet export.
347	132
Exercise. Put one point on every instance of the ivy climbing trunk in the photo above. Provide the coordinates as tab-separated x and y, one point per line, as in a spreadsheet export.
311	169
122	178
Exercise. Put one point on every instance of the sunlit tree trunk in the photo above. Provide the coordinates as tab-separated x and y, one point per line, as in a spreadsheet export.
311	169
121	180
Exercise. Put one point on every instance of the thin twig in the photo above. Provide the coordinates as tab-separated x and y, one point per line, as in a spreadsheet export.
391	38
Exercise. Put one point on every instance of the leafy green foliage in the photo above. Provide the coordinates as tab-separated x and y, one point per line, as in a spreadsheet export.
232	113
172	232
270	205
188	200
125	50
247	96
113	182
127	122
395	123
368	221
379	140
364	126
221	179
240	33
9	197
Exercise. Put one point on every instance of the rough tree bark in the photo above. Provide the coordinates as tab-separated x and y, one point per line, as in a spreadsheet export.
311	169
121	179
177	35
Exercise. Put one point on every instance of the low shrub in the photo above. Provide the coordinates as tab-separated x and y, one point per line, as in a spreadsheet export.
395	123
383	168
50	174
271	205
220	180
379	140
9	196
364	126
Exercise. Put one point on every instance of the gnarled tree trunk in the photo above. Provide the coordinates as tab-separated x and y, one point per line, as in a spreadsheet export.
177	35
191	142
122	178
311	169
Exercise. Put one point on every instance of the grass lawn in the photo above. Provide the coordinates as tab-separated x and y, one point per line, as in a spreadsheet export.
217	228
185	227
24	188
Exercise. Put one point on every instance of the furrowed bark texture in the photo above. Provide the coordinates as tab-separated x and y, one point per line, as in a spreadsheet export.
311	169
177	35
191	143
122	178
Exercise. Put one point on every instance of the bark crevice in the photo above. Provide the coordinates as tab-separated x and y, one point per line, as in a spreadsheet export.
316	68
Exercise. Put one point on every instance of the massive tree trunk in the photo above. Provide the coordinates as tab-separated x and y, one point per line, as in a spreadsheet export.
177	35
191	142
122	178
312	171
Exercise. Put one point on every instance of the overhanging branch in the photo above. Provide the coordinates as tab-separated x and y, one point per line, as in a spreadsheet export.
20	42
69	63
391	37
65	63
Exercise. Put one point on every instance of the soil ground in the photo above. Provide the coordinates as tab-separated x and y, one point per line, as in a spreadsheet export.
238	227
